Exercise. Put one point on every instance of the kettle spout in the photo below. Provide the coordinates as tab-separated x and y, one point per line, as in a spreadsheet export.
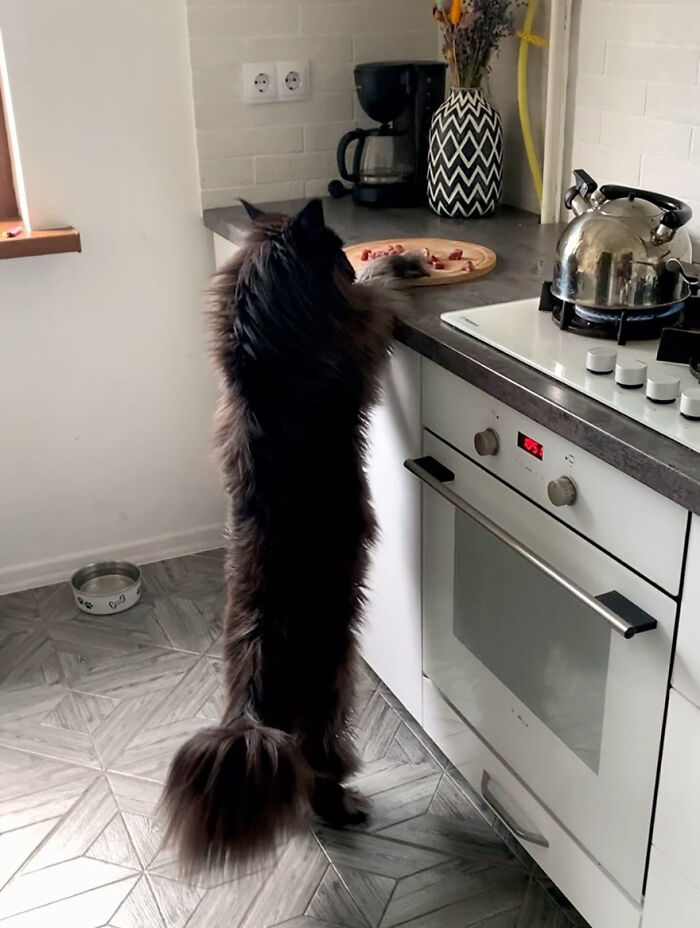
578	204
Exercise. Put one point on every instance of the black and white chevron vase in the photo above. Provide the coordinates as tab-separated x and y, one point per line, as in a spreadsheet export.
465	164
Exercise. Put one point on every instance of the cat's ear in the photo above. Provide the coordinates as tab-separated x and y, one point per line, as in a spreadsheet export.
310	219
253	212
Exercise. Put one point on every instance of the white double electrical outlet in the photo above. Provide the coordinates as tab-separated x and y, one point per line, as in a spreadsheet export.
260	82
275	82
292	80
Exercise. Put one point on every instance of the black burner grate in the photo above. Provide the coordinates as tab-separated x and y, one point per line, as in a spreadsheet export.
620	325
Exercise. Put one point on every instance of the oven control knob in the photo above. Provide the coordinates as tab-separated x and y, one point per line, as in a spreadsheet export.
601	360
630	374
486	443
562	492
690	403
663	389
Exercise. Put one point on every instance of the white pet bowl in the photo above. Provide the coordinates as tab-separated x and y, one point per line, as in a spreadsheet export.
106	588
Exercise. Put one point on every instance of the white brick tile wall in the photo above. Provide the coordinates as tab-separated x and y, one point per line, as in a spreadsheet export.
216	83
680	28
695	146
384	47
642	61
221	172
591	58
308	165
636	119
628	22
648	136
237	21
621	95
332	48
216	53
286	150
233	113
657	172
587	124
227	143
674	102
325	136
607	163
333	75
363	18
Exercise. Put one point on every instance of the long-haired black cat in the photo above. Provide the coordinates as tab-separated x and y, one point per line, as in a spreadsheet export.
299	345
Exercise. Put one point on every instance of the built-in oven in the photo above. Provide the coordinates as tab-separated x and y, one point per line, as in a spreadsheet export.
554	652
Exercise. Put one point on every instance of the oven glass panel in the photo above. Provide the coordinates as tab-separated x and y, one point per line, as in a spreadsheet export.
538	639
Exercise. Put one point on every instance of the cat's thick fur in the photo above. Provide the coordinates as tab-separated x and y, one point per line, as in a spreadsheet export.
299	346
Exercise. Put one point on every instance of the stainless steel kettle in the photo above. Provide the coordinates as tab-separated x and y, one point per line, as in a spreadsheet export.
624	249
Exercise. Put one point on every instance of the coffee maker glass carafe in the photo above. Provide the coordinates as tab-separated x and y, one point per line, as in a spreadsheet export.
382	156
390	161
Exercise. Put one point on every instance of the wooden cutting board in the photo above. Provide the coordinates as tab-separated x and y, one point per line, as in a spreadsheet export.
483	259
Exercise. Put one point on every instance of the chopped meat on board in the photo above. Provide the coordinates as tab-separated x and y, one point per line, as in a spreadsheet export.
369	255
435	261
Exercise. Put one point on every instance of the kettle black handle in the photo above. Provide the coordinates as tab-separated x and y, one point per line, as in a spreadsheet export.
676	212
584	182
358	135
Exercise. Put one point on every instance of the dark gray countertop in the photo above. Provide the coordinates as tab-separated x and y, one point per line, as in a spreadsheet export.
525	250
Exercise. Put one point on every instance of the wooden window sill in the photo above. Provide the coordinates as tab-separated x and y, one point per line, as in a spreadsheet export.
43	242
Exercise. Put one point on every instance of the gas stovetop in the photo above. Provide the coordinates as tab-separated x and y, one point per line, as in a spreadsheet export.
663	395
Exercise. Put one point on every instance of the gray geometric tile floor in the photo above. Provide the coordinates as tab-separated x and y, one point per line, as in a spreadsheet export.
91	711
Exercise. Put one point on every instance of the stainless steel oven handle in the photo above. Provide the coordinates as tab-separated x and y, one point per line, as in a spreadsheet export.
610	606
530	836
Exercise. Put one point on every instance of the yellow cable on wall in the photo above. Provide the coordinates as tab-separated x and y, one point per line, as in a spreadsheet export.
526	40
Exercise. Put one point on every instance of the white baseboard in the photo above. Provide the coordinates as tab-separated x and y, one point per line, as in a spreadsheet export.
145	551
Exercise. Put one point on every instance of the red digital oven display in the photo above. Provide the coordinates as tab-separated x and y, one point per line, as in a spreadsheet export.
531	446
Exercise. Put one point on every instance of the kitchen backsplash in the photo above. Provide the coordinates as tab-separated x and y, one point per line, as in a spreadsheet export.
635	90
282	150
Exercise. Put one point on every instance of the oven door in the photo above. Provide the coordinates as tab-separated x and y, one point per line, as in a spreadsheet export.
567	688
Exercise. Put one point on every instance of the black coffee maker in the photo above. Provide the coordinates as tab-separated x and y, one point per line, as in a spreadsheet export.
390	162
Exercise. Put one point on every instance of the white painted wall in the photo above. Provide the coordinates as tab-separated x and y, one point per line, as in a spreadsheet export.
105	392
286	150
635	96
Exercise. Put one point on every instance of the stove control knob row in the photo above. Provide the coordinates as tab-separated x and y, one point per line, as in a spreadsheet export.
601	360
690	403
562	492
486	443
663	389
630	374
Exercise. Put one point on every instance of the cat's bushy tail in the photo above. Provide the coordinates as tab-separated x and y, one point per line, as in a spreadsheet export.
233	791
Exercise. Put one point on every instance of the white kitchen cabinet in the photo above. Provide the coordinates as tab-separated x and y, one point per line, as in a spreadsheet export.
223	250
686	666
677	825
583	881
672	901
392	635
